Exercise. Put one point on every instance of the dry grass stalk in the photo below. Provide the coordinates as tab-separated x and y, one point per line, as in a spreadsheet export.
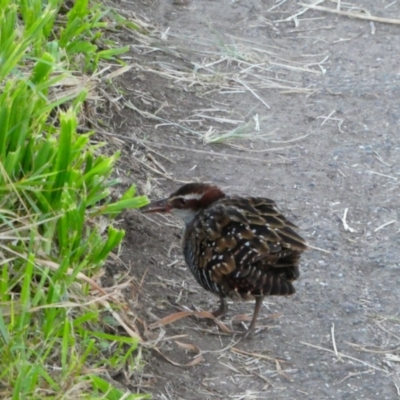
384	225
334	342
196	360
256	355
186	149
348	357
346	226
363	348
351	374
384	175
236	60
350	14
252	92
300	12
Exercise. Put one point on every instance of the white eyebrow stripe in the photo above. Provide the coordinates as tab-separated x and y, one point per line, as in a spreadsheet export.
189	196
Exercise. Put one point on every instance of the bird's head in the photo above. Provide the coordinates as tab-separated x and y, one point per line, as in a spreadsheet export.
187	201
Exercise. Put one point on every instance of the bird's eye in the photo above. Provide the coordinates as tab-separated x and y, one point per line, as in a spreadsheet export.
181	201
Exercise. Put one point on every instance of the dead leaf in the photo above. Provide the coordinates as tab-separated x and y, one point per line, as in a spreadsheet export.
183	314
188	346
197	360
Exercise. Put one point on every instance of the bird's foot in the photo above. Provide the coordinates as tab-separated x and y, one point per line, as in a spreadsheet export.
248	334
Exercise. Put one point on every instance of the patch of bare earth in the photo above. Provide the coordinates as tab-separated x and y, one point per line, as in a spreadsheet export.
315	94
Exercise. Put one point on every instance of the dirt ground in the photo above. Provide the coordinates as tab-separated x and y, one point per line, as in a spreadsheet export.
326	89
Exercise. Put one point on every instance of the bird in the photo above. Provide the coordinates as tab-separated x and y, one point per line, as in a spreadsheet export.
236	247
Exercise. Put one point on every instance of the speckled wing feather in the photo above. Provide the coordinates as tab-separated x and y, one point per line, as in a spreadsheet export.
244	247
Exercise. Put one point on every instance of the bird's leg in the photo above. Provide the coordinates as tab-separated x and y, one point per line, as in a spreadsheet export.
249	333
223	308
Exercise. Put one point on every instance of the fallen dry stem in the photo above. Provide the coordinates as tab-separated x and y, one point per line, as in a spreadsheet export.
121	321
362	348
196	360
148	115
296	139
384	225
334	342
252	58
346	226
166	176
170	146
281	372
352	14
346	356
301	12
256	355
384	175
224	349
387	331
351	374
251	90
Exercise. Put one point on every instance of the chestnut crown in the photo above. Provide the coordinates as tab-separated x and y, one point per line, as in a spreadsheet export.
195	196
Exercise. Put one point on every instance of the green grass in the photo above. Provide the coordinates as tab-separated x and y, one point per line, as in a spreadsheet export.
55	210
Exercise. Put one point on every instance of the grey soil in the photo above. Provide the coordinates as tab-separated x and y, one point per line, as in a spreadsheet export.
348	158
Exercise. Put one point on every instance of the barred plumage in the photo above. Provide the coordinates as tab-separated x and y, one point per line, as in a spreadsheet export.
235	247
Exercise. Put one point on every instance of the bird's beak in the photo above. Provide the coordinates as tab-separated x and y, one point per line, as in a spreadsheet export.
157	206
